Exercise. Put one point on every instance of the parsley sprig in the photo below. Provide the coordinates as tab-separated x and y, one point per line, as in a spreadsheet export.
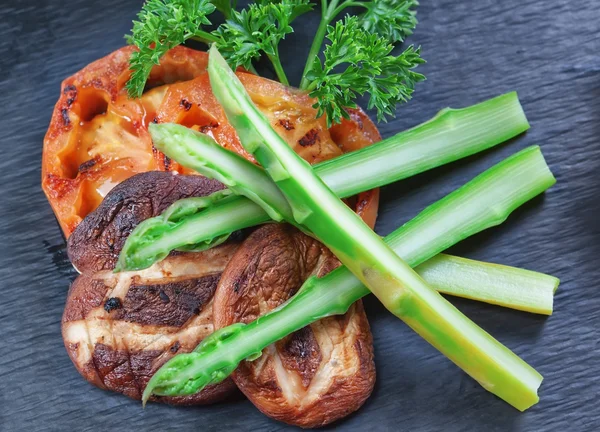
358	58
259	29
367	66
162	25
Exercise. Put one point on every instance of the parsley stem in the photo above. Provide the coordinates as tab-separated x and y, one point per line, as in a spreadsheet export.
253	70
311	86
205	37
276	61
345	5
326	18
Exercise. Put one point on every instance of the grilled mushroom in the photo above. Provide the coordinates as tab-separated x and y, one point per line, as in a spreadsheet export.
120	328
318	374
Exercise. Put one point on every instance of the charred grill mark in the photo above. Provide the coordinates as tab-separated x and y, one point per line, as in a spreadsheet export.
170	304
69	89
71	92
286	124
208	127
112	304
87	165
65	116
128	373
164	297
167	161
175	347
310	138
187	105
301	353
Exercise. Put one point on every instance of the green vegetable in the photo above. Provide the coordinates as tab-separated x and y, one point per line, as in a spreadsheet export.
450	135
367	66
393	282
259	29
484	202
492	283
392	20
357	61
162	25
155	237
226	7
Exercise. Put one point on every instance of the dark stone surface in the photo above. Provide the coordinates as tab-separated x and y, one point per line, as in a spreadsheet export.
476	49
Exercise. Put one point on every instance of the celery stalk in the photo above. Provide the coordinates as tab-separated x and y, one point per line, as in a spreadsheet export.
219	355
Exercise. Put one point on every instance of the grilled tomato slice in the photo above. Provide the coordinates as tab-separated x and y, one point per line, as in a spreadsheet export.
98	136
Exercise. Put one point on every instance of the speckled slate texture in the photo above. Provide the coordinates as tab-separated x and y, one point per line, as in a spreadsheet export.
546	50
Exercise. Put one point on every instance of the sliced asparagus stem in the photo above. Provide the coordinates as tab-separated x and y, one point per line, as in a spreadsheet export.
392	280
220	354
451	135
491	283
203	154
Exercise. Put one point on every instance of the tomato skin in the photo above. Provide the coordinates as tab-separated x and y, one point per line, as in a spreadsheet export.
99	137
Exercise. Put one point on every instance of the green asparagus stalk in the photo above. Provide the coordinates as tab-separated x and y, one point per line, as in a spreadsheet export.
501	285
375	264
451	135
484	202
491	283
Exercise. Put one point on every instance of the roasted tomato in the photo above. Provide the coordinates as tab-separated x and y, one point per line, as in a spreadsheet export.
98	137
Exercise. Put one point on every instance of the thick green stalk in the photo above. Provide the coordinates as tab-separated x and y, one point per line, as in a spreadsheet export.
375	264
491	283
220	354
201	153
451	135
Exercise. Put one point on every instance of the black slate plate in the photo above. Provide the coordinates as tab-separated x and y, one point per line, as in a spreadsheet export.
547	51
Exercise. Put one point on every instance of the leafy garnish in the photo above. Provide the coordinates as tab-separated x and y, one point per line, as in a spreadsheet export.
162	25
259	29
358	59
226	7
392	19
358	62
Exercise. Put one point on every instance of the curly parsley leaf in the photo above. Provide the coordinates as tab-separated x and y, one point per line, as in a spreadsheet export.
259	29
357	62
162	25
391	19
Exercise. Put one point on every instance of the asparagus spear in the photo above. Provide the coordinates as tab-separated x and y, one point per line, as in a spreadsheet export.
450	135
492	283
485	201
480	281
393	282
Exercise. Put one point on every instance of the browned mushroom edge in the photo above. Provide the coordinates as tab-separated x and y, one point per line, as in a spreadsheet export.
119	329
316	375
